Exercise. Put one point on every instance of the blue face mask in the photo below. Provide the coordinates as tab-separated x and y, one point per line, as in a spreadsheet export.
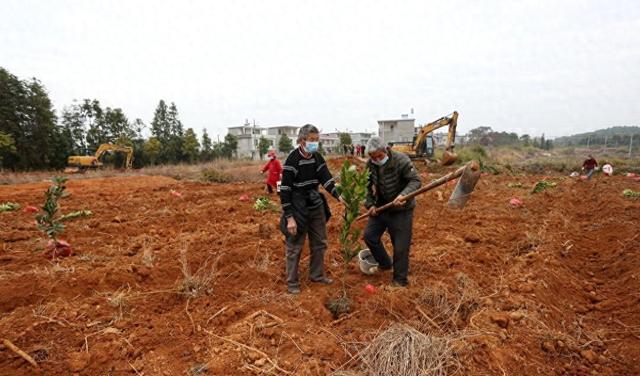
381	162
311	146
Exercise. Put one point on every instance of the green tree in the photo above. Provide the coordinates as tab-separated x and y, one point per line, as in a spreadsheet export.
218	150
74	128
161	131
152	150
230	147
263	146
26	114
190	146
206	154
345	140
175	146
7	145
285	144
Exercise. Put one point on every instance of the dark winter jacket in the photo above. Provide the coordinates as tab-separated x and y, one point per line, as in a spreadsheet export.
396	177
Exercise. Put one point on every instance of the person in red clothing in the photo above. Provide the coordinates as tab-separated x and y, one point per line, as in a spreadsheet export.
589	166
274	169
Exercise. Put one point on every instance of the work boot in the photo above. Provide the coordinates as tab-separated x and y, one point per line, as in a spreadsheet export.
324	281
293	290
396	283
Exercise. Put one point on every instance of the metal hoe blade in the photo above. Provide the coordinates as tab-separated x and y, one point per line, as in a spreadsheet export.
465	186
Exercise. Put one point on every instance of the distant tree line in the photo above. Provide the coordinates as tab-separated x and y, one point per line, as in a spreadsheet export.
486	136
33	137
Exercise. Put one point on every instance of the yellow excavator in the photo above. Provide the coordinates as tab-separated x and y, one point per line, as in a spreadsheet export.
423	144
80	163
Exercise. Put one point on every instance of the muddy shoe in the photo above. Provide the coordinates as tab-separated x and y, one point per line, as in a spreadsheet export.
324	281
293	290
395	283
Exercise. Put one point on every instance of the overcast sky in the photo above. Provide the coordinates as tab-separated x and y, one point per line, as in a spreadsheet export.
558	67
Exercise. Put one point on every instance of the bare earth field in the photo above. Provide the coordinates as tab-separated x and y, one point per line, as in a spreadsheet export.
552	287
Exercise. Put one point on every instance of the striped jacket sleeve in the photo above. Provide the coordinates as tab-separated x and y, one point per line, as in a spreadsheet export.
325	177
289	171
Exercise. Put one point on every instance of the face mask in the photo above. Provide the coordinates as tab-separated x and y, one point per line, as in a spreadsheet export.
311	146
381	162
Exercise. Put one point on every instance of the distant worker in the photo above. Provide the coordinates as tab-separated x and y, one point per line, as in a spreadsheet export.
305	209
274	169
392	176
589	166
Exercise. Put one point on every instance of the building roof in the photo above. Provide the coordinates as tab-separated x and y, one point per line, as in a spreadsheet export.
379	121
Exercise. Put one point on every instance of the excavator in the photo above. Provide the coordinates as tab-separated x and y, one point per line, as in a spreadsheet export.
423	143
80	163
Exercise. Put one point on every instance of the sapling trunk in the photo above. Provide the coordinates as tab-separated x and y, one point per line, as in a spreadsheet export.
353	191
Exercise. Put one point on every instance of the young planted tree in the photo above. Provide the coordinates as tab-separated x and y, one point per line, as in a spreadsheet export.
353	191
51	222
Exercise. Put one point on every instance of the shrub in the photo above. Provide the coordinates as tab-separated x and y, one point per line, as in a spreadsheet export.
213	175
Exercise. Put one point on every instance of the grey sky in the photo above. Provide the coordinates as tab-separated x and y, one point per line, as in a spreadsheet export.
558	67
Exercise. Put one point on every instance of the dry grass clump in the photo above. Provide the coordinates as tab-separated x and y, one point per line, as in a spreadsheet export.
119	299
193	285
403	351
468	296
449	308
437	300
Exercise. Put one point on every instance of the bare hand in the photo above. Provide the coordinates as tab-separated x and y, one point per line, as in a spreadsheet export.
399	201
373	212
292	226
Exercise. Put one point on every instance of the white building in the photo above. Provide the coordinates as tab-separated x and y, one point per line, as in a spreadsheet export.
278	131
397	130
331	141
249	137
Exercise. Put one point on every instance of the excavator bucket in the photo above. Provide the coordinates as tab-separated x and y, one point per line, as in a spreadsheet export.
466	184
448	158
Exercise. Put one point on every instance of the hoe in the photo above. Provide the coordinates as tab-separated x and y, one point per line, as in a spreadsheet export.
469	175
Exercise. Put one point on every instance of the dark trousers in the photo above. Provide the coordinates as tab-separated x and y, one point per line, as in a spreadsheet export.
399	224
317	230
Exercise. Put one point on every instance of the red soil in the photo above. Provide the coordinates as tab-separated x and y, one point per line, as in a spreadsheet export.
558	282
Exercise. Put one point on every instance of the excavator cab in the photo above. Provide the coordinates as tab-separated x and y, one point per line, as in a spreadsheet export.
426	147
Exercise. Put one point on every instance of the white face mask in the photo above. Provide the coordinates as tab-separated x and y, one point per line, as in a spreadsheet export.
311	146
381	162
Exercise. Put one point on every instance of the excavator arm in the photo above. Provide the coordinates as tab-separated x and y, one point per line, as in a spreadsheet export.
128	151
450	120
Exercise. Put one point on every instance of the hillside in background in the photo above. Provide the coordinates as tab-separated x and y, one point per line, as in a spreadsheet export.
614	136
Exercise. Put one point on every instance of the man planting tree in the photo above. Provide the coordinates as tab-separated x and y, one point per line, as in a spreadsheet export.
305	210
392	176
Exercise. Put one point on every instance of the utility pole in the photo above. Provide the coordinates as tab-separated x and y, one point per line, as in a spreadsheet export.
630	145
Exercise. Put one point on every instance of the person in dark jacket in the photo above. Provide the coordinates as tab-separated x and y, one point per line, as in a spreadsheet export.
589	166
392	176
305	210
